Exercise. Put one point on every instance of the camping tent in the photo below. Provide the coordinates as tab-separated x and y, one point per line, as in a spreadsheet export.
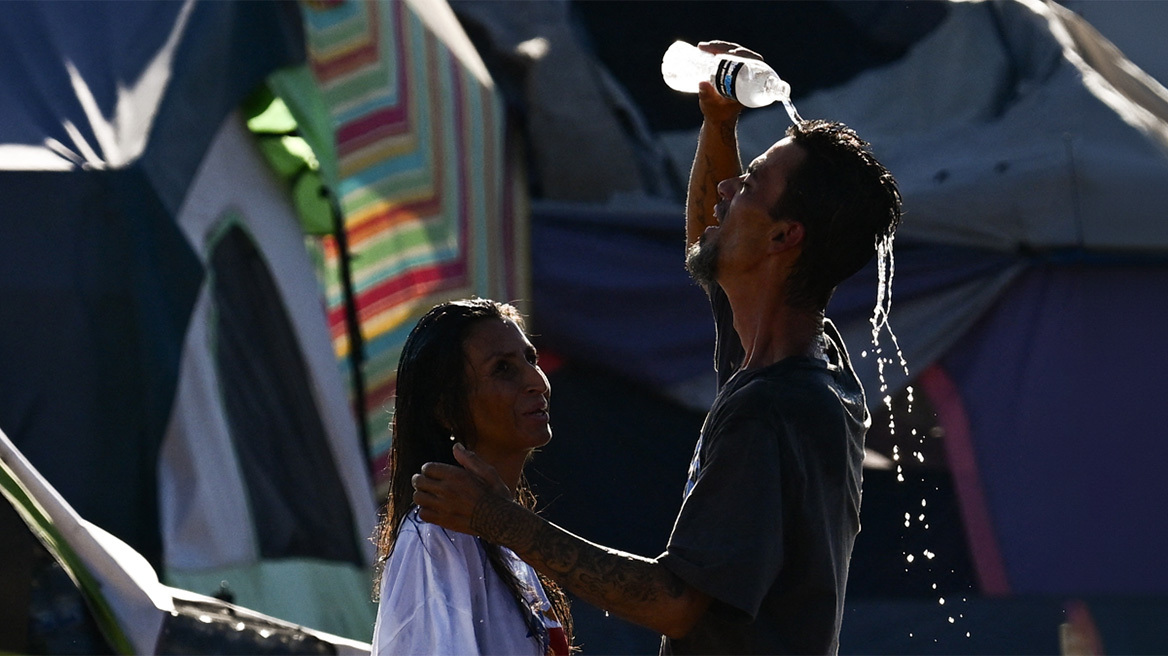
146	244
198	338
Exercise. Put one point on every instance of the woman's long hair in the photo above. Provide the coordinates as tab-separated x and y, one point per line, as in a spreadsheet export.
431	412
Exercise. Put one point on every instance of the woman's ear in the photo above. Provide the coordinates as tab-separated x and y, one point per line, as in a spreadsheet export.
442	416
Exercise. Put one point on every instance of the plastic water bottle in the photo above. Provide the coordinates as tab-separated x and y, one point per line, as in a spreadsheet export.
749	81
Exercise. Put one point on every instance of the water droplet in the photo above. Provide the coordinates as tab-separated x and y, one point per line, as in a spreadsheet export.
967	634
910	558
941	601
923	503
951	620
929	554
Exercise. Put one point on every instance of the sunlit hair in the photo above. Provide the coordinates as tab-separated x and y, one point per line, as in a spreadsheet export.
847	202
431	413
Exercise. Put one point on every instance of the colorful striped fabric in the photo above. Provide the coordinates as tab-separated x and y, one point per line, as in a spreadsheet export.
425	186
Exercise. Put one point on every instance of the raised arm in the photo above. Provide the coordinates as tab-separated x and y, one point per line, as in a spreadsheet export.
474	500
716	159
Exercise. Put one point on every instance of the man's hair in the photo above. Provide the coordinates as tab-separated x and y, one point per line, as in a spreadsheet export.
847	202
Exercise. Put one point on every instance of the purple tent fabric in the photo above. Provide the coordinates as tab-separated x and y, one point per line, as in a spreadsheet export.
1063	384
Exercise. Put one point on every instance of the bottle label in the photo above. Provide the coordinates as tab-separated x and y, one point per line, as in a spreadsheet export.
726	77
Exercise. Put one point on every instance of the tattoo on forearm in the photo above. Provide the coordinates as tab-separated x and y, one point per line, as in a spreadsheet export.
588	570
615	577
489	519
728	133
699	198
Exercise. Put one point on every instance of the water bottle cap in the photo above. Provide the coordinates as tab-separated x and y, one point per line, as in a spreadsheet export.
778	87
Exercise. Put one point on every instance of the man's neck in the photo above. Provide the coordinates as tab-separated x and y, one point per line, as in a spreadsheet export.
772	330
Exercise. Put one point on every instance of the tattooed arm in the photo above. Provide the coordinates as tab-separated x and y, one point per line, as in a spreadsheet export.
474	500
716	159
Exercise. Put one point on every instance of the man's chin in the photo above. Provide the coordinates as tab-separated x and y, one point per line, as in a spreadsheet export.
701	263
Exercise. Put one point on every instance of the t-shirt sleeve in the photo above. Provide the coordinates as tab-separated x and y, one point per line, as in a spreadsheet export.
728	537
425	605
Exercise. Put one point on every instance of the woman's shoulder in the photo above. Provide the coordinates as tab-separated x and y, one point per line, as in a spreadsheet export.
420	543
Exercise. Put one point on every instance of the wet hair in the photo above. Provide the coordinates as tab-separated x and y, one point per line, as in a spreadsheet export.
431	412
848	204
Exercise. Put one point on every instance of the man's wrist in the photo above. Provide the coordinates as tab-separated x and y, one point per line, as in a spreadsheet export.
497	519
721	119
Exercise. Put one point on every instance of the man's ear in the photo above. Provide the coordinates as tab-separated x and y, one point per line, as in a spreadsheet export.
785	235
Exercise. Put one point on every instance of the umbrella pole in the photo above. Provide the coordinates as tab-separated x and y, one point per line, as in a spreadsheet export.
353	326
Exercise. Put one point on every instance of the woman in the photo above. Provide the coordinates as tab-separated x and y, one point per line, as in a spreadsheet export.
467	374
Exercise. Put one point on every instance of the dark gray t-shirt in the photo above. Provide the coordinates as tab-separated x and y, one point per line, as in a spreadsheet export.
772	503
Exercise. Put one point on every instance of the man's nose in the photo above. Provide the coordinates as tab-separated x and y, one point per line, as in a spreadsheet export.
728	187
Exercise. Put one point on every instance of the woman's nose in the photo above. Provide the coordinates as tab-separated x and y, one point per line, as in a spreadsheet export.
538	381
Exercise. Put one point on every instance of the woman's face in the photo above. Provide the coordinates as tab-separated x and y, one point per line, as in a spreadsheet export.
508	392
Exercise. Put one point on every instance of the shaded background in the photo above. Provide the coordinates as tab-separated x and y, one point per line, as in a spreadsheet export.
528	151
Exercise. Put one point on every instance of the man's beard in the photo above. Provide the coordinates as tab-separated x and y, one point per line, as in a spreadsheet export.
701	261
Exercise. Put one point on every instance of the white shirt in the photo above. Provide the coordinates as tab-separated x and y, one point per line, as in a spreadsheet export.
440	595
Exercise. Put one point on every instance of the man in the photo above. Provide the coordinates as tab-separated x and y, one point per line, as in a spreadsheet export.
758	558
